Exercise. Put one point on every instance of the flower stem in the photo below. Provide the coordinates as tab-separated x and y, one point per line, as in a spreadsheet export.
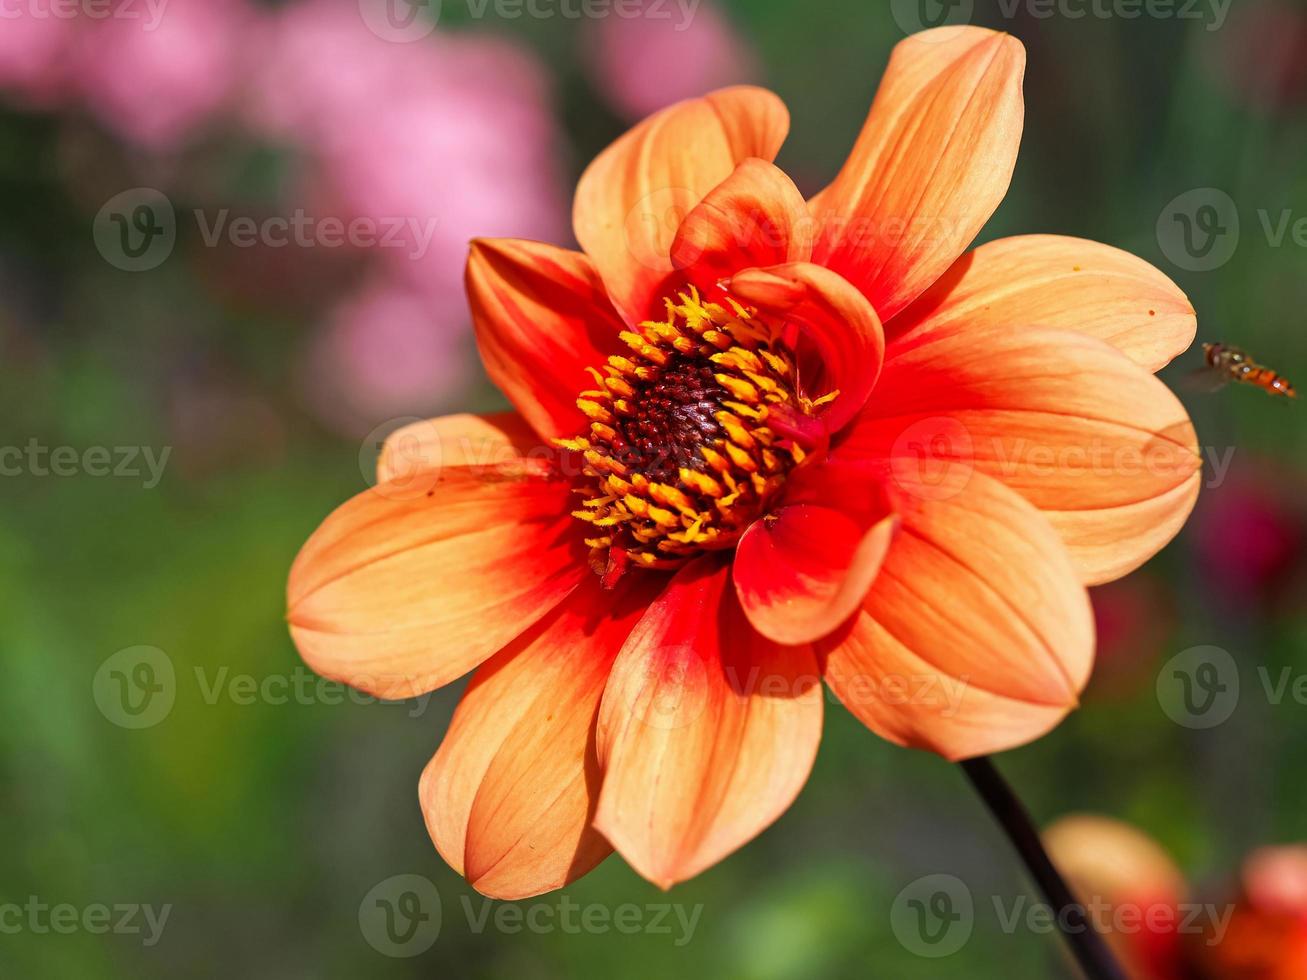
1081	937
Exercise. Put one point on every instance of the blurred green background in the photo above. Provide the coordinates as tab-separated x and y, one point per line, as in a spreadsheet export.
262	824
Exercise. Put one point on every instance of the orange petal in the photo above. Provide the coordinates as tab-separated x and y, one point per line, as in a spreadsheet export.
541	318
397	596
631	200
834	318
510	795
421	449
706	733
1097	443
803	570
930	166
755	217
976	636
1064	284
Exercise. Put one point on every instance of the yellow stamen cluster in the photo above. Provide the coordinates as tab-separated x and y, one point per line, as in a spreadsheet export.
679	458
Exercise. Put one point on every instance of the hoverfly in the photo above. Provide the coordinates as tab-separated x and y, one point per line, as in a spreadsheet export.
1226	364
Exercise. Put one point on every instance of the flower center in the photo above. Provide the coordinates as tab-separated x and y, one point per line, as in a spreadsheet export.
679	457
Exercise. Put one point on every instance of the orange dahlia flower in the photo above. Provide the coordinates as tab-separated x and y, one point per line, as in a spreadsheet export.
762	444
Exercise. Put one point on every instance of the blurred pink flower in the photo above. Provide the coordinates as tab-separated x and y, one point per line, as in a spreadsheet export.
1133	618
1248	536
157	76
446	138
435	141
33	49
665	54
1275	880
383	354
1266	937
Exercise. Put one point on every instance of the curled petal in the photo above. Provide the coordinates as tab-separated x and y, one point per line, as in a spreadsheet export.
510	795
541	318
707	731
755	217
398	595
632	199
1094	441
1063	284
831	316
933	161
976	636
803	570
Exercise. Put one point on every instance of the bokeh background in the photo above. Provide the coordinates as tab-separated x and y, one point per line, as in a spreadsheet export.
264	810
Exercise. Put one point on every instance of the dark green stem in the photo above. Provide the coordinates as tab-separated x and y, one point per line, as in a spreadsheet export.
1086	945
